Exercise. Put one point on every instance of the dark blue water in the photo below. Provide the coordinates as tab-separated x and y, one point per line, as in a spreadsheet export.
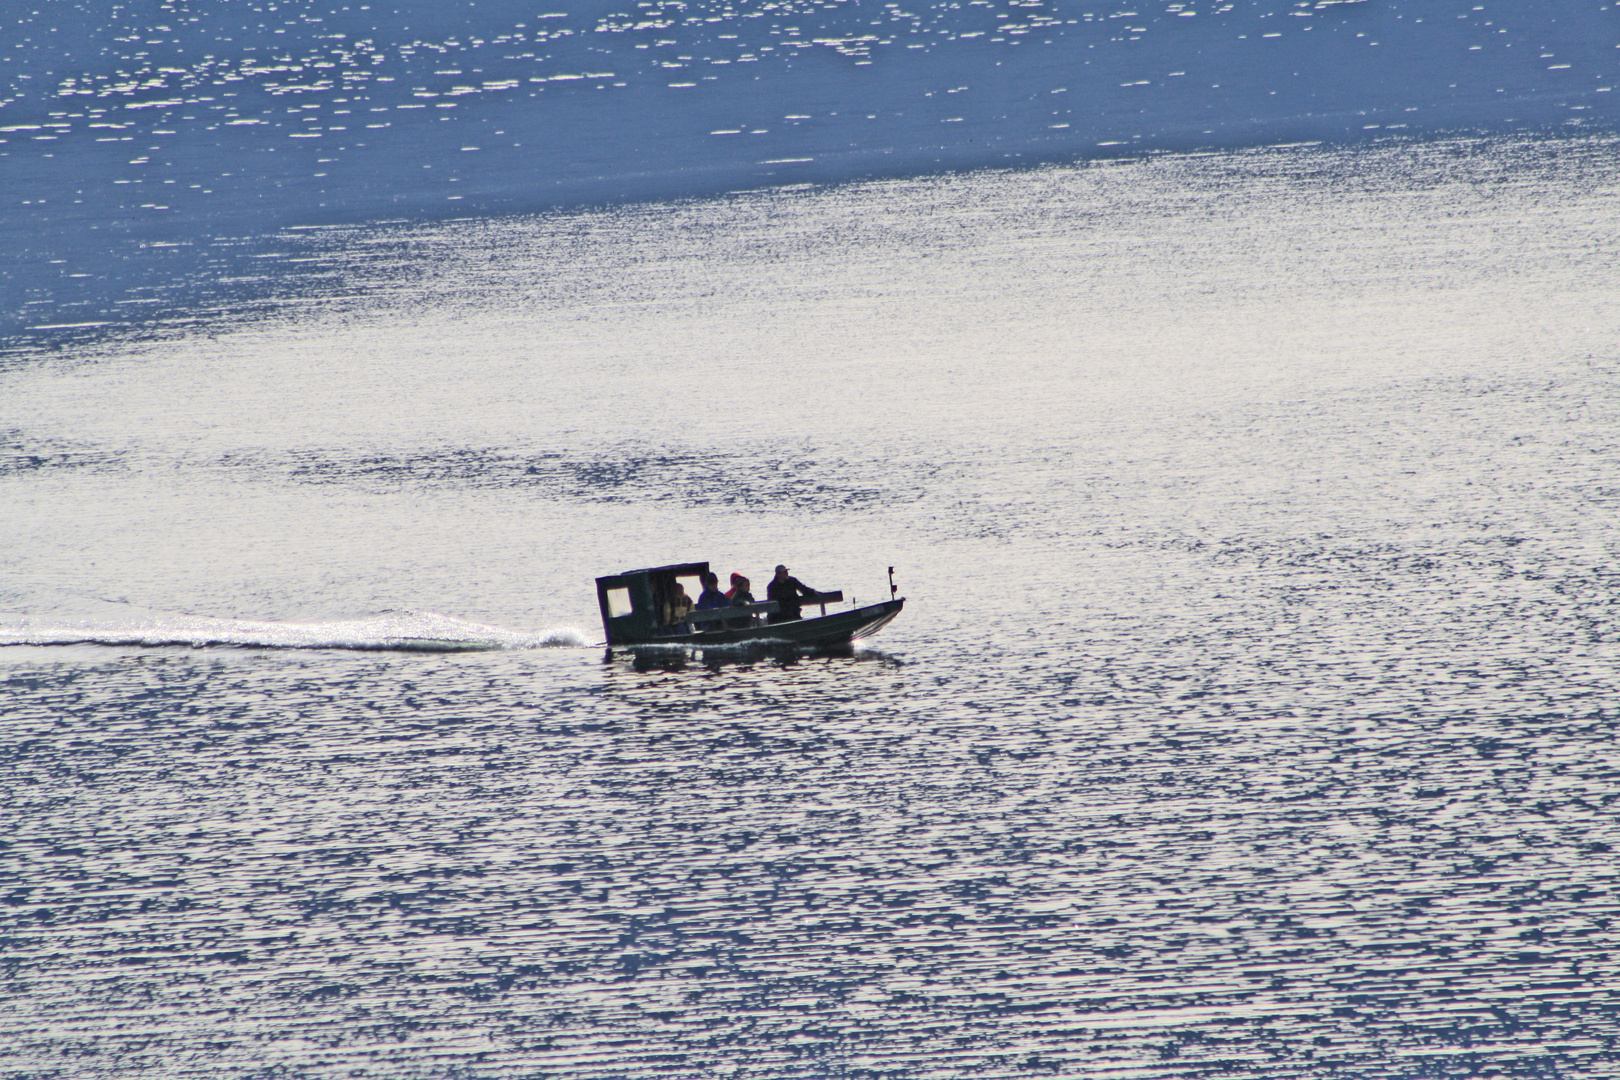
148	149
1253	709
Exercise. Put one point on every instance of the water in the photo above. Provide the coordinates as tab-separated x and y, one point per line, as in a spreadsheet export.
1252	712
147	149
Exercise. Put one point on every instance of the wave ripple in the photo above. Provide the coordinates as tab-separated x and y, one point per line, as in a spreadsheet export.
401	631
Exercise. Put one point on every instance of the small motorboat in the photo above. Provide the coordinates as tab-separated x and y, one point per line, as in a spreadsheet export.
636	605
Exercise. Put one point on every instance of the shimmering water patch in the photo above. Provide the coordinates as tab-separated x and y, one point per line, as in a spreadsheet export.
511	867
1251	712
150	159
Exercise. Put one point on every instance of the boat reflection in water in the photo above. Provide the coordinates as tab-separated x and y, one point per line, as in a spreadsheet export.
639	613
714	657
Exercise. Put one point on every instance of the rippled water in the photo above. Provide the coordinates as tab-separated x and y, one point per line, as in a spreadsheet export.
1253	710
147	148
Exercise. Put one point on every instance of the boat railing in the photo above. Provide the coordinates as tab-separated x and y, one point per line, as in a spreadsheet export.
710	615
825	598
737	611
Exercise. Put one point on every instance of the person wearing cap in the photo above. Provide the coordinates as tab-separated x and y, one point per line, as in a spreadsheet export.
787	592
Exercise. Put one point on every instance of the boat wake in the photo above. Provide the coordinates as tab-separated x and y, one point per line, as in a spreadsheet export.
401	631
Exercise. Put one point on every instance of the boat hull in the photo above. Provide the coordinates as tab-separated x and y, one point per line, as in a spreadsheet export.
839	628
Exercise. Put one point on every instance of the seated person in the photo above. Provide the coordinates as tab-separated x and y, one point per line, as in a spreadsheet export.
677	610
787	592
711	597
740	597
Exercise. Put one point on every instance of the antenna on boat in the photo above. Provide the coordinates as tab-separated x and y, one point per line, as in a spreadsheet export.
893	591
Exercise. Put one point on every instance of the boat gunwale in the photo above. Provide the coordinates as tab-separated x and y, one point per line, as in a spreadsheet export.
860	622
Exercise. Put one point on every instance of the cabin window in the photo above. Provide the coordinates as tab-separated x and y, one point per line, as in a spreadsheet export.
618	603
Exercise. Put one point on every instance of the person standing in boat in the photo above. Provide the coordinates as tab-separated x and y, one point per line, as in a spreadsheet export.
711	597
787	592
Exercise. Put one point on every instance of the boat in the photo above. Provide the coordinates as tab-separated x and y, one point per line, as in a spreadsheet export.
633	614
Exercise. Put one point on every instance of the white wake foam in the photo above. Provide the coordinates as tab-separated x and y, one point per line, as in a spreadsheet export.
423	631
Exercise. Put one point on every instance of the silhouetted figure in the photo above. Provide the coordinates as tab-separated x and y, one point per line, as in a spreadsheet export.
711	597
787	592
678	611
739	596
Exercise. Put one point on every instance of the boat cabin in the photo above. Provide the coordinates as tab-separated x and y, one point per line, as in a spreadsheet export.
634	604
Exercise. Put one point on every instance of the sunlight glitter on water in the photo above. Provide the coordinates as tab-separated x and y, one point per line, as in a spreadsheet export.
1252	711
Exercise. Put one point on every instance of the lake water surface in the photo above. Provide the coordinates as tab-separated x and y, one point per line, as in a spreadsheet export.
1252	713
